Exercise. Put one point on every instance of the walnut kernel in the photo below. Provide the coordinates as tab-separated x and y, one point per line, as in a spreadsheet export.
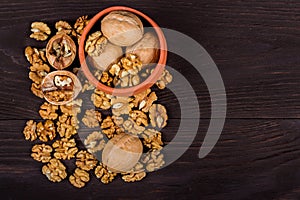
40	31
55	171
158	115
79	178
92	118
104	175
30	130
85	160
48	111
94	142
41	153
65	148
46	131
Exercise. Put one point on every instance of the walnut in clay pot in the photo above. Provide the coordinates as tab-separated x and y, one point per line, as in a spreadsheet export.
147	49
122	28
122	152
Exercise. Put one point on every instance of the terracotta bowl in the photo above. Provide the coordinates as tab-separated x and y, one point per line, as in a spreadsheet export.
131	90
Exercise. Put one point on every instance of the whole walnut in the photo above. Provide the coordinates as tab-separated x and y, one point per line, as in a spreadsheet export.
147	49
122	28
110	54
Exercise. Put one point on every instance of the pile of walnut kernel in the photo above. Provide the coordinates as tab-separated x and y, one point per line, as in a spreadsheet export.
55	136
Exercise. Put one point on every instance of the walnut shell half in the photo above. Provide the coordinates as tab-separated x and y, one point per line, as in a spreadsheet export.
60	87
122	28
122	152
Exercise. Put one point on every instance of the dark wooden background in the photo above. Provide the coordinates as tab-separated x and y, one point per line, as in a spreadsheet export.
256	46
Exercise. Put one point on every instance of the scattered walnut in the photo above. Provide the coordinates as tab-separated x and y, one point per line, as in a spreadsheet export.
79	178
55	170
73	108
131	63
110	128
30	130
37	90
40	31
46	131
106	79
104	175
130	126
153	160
87	86
48	111
67	125
128	81
33	55
80	24
158	115
95	44
94	142
38	72
144	100
101	99
136	174
63	27
41	153
92	118
65	148
85	160
152	139
139	117
120	105
164	79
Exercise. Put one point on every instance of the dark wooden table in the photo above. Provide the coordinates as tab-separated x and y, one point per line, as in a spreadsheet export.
256	46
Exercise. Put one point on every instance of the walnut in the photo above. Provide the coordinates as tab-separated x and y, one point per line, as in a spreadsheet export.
131	63
48	111
106	79
33	55
147	49
30	130
40	31
158	115
85	160
95	44
94	142
37	90
120	105
144	100
79	178
63	27
153	160
101	99
65	148
104	175
164	79
139	117
38	72
122	28
67	125
61	51
122	152
80	24
41	153
128	81
92	118
110	128
130	126
54	170
87	86
136	174
152	139
73	108
46	131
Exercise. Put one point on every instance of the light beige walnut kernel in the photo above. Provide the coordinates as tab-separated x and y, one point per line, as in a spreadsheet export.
67	125
158	115
79	178
94	142
152	139
41	153
38	72
153	160
120	105
95	44
40	31
110	128
46	131
85	160
101	99
30	130
104	175
35	56
131	127
136	174
144	100
139	117
73	108
55	171
92	118
63	27
65	149
48	111
79	26
164	80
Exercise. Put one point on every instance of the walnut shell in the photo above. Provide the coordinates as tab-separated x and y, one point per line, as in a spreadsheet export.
147	49
122	152
60	87
111	53
61	51
122	28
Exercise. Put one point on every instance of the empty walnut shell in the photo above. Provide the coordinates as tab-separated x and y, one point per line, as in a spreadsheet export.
60	87
61	51
122	28
147	49
110	54
122	152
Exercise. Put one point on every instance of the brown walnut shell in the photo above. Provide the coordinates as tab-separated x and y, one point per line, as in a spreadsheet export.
61	51
60	87
147	49
122	28
122	152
